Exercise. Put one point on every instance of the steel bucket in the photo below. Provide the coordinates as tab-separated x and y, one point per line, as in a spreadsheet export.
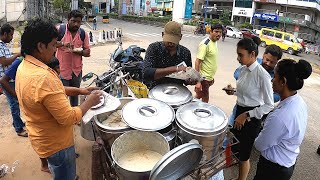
134	141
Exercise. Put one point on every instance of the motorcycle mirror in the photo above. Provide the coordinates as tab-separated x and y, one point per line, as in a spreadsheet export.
87	76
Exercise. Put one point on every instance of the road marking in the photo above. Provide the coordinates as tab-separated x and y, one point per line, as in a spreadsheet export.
132	34
159	35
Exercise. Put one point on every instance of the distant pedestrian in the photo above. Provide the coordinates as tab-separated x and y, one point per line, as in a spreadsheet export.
6	59
94	23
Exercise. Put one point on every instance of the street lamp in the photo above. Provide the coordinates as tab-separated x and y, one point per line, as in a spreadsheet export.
205	13
285	17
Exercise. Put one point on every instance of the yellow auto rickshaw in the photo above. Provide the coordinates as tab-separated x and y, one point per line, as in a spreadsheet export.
105	19
90	18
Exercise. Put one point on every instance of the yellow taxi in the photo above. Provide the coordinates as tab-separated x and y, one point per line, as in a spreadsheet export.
284	40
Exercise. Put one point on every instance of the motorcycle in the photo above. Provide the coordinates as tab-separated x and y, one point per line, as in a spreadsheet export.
200	30
123	63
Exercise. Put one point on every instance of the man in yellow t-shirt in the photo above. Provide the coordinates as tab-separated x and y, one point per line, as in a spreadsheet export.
206	62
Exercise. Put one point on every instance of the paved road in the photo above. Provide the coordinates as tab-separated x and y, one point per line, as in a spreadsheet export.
308	164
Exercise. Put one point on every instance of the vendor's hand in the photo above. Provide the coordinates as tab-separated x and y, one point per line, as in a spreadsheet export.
190	82
181	68
240	120
198	87
94	98
87	90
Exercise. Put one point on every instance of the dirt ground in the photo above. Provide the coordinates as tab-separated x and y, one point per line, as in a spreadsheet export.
13	147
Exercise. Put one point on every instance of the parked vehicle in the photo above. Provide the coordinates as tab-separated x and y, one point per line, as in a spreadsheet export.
234	32
257	31
122	63
284	40
248	33
105	19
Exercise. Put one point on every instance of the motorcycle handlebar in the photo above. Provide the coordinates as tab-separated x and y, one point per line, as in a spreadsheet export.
142	50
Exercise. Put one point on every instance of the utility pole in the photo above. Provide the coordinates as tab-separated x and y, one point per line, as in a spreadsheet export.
205	13
120	8
285	17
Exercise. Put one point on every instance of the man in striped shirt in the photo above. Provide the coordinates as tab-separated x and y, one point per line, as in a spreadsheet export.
6	59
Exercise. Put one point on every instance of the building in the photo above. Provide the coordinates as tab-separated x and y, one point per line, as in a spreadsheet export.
299	17
21	10
166	6
216	8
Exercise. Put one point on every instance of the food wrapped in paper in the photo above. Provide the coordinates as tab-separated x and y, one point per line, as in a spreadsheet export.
190	73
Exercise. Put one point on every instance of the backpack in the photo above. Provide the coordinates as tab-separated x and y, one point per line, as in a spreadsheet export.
62	32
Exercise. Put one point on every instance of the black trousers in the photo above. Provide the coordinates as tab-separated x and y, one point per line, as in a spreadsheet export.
246	135
267	170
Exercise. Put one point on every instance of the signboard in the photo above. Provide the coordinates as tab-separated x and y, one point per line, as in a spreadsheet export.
268	17
265	1
188	10
285	19
246	12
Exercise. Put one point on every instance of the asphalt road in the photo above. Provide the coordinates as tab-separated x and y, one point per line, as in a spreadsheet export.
308	163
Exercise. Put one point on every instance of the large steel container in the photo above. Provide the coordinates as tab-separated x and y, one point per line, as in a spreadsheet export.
173	94
107	133
205	123
148	114
134	141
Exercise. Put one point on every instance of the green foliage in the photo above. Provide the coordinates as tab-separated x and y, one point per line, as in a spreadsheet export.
62	5
246	25
146	18
225	18
83	4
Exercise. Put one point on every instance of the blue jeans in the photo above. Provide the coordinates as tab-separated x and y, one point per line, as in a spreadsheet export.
74	82
94	26
15	110
63	164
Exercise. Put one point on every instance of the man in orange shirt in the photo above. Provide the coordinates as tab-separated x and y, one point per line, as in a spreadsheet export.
43	101
73	43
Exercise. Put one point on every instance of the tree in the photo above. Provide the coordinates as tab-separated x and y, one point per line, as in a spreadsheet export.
225	18
62	5
83	4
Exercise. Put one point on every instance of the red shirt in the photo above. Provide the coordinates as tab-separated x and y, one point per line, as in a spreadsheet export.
71	62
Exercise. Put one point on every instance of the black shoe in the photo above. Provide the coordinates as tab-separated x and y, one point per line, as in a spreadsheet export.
318	151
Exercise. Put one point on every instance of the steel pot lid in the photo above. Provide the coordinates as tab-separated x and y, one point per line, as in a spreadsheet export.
172	94
147	114
202	119
178	162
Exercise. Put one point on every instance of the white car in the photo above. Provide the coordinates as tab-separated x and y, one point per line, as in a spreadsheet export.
257	31
234	32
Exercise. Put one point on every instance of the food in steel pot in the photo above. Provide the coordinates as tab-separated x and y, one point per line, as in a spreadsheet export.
114	120
139	161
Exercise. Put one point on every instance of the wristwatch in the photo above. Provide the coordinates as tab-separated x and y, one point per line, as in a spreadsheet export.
248	116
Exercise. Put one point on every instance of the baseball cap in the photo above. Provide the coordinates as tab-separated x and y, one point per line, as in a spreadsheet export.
172	32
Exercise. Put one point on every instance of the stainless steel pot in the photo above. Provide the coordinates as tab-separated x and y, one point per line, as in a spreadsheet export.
151	115
109	134
173	94
205	123
136	141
